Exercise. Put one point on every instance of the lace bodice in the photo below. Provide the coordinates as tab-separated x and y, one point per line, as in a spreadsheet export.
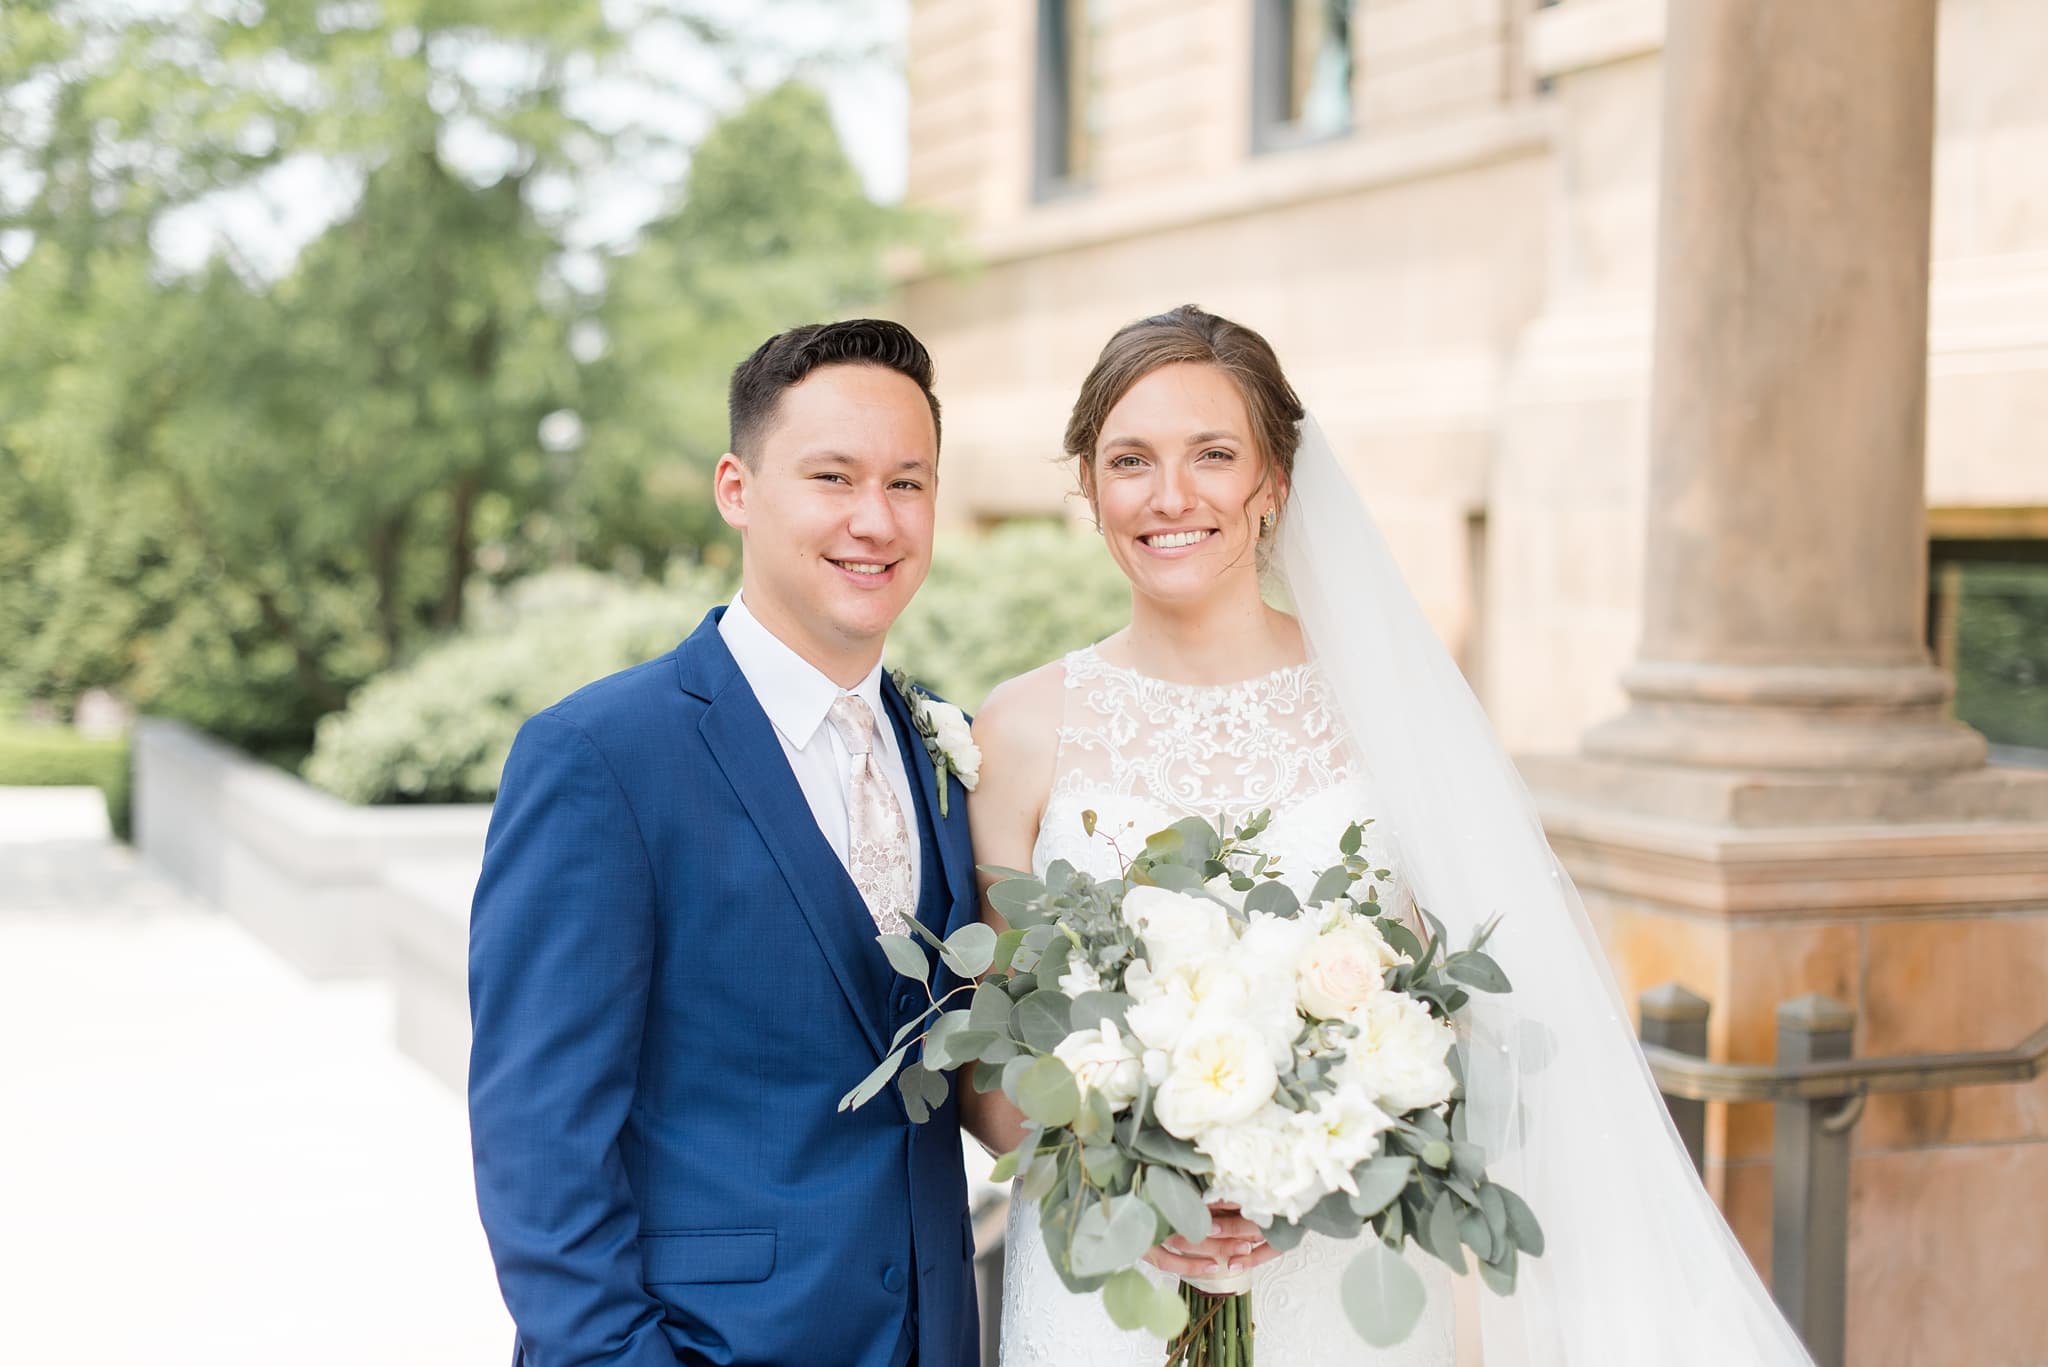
1142	753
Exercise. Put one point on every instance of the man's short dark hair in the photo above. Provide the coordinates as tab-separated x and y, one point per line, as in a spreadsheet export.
788	357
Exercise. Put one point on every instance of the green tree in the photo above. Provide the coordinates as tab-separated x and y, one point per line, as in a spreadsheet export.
236	494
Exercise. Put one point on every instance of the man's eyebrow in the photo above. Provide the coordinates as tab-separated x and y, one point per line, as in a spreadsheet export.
829	457
1138	442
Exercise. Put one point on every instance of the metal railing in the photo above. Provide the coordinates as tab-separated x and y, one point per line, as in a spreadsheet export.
1817	1088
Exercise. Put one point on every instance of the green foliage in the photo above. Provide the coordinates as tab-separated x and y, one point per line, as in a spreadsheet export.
1004	602
235	496
2002	653
56	756
439	729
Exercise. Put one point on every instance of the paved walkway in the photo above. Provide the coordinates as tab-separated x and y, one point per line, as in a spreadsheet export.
204	1158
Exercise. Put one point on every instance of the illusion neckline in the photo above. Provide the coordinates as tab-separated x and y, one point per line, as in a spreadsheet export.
1253	684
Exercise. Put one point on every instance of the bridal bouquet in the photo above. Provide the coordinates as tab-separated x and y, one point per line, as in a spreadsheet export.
1193	1033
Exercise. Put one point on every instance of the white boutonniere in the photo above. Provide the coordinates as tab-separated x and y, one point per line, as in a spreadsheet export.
943	729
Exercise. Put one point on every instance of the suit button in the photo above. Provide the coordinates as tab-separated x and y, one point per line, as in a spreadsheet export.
905	1000
892	1280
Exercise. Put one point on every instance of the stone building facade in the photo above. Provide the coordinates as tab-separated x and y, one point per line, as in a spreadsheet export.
1628	319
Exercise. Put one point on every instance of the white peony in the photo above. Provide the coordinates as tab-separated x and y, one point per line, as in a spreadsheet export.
1176	928
1280	1163
1341	969
1220	887
1102	1060
1397	1057
1220	1074
956	738
1269	954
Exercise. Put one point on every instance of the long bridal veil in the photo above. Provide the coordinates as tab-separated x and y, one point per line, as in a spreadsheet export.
1639	1266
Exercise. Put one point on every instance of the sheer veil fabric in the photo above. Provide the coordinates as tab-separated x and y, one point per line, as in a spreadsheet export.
1640	1267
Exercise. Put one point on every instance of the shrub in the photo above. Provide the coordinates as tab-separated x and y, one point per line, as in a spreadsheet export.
56	756
438	729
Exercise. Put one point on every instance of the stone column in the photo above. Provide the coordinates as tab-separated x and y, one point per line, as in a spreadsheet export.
1785	572
1784	807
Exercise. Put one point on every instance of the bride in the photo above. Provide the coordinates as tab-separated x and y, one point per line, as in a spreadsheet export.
1208	481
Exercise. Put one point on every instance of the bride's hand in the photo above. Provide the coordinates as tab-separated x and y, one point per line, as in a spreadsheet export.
1234	1244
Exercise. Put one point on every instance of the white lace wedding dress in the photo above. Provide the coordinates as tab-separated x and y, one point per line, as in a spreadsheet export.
1142	753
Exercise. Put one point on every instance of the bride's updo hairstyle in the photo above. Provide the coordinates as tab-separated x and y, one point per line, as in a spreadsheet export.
1185	336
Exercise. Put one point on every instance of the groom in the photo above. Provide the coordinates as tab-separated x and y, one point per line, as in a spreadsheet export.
673	967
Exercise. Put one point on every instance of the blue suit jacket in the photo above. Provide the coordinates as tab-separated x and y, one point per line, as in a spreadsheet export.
672	982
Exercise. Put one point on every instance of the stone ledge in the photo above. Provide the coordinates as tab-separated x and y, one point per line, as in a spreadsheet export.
1323	171
1592	33
1835	872
301	869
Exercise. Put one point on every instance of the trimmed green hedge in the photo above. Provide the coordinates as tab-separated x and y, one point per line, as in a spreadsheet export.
438	729
56	756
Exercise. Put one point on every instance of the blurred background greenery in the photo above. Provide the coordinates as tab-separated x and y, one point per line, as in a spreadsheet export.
449	458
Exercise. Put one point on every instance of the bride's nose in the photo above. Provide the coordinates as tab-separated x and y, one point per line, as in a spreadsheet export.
1173	490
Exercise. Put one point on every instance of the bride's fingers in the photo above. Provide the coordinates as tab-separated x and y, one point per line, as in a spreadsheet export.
1235	1227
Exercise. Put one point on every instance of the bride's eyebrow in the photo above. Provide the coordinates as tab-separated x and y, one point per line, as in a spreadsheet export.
1201	438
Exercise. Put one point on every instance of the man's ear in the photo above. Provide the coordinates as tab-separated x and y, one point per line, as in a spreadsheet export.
729	490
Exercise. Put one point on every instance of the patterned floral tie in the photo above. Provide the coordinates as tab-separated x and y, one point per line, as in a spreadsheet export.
878	843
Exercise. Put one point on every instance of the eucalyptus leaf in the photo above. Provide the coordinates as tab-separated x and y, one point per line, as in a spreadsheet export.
1169	1314
1174	877
1091	1009
1477	970
1468	1161
1379	1181
1159	1146
1353	837
1127	1297
1016	900
1272	897
905	957
909	1028
1443	1232
1006	950
989	1008
1437	1153
1039	1178
1174	1197
1496	1211
1334	882
1199	840
1043	1019
1110	1236
1285	1235
970	950
1333	1217
1473	1230
874	1082
1002	874
1047	1093
1499	1276
1383	1297
1107	1166
1522	1224
938	1052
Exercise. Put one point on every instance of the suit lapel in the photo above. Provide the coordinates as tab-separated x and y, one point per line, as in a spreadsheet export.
955	854
743	742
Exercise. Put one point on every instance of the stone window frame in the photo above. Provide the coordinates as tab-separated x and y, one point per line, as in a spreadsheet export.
1060	100
1272	55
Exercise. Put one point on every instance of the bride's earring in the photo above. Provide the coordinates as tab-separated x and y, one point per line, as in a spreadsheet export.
1269	521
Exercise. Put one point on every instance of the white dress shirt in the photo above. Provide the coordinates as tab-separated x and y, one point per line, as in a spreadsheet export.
797	697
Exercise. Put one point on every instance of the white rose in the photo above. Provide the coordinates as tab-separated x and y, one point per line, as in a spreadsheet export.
1177	929
956	739
1340	970
1080	977
1220	1074
1101	1060
1397	1057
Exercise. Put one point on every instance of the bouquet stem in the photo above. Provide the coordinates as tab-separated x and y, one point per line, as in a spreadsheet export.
1219	1332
